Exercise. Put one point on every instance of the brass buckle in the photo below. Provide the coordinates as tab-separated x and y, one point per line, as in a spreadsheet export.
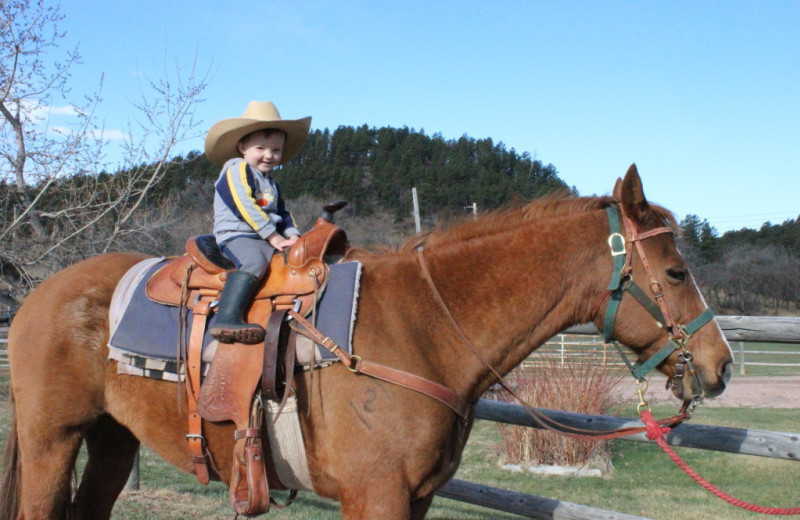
656	288
353	362
611	240
197	437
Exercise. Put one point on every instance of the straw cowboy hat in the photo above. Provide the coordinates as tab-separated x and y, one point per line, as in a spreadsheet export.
222	138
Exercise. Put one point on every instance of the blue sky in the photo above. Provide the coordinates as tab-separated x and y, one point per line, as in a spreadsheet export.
704	96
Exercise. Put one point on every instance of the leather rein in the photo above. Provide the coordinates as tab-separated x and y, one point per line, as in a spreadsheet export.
621	282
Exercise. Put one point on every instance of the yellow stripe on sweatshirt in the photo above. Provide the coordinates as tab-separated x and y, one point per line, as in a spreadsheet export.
236	199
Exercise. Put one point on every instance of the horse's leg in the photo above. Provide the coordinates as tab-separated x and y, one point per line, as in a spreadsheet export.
47	458
112	449
384	501
419	508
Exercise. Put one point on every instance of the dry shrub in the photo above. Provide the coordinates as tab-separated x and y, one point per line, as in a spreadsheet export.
572	386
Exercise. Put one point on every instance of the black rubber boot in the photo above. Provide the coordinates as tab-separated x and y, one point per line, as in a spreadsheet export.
229	326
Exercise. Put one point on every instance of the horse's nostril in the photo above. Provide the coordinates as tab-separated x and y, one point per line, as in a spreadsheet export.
726	372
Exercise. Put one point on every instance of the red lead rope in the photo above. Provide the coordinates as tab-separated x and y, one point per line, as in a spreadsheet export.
656	432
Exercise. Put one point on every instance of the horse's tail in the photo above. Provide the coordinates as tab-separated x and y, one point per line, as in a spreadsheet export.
10	484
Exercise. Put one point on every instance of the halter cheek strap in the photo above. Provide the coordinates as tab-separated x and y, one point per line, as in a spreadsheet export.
621	282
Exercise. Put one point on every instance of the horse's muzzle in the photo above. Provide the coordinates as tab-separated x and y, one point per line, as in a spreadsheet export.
723	376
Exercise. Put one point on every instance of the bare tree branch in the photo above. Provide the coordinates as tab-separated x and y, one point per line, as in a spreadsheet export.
58	203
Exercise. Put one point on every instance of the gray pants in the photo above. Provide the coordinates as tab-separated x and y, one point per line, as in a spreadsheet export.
251	255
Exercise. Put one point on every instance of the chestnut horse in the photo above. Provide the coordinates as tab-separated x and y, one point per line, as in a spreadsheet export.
511	280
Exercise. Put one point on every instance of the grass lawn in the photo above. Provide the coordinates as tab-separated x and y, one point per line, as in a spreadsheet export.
644	481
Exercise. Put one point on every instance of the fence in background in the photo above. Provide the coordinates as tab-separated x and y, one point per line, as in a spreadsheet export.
3	350
731	440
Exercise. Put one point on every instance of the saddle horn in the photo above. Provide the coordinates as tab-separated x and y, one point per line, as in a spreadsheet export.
329	209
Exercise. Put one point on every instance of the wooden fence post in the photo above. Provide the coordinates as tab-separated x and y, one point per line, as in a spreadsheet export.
742	370
133	478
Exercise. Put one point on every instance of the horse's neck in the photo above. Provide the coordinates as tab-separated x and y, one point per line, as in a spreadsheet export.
512	292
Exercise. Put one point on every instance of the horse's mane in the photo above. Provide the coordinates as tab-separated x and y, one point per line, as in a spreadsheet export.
554	205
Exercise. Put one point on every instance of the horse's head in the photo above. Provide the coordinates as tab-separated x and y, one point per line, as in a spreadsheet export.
654	306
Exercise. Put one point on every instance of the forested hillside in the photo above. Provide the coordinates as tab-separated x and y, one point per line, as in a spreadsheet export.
375	169
741	272
747	272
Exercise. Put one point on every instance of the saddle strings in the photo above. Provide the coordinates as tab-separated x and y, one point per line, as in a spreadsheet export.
183	311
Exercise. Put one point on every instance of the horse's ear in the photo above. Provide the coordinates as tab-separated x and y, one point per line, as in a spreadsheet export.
617	193
631	195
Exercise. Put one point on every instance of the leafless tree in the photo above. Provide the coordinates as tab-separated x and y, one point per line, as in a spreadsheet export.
755	280
58	203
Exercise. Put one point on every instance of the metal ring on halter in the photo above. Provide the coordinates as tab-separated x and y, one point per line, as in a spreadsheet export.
619	251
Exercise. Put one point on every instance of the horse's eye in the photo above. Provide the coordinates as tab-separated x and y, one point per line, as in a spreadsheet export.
677	274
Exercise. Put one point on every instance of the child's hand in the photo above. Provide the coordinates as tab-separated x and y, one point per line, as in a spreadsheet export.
280	243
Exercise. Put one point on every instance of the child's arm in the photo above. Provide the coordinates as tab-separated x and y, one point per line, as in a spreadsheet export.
279	242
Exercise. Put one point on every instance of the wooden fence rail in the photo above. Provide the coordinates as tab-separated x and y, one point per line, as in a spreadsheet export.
765	329
568	349
744	441
732	440
529	506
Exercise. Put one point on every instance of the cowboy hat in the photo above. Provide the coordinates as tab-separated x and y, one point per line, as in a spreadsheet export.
222	138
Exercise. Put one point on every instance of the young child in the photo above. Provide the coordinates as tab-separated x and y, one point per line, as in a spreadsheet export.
251	221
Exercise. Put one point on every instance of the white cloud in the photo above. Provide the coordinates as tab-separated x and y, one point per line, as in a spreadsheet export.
66	110
106	134
42	112
111	135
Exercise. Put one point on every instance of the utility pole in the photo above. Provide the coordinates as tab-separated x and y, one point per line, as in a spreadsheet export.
473	208
417	224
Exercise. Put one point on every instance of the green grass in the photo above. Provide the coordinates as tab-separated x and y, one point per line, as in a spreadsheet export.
644	482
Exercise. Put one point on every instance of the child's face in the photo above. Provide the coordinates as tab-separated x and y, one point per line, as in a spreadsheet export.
263	151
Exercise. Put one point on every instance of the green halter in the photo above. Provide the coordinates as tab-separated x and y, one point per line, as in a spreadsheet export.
622	282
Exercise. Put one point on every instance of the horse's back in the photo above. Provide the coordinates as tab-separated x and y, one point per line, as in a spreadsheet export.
59	334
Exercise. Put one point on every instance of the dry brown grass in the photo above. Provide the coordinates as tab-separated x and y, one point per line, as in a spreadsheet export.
570	386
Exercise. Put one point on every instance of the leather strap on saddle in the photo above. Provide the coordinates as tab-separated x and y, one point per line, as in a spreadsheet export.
391	375
275	350
201	457
230	393
249	489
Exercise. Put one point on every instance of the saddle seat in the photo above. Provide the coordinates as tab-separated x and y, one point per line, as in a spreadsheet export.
294	277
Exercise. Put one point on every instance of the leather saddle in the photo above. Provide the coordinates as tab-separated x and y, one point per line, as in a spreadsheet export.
293	276
242	375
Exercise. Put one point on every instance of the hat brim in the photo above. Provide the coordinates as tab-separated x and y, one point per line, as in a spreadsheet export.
222	139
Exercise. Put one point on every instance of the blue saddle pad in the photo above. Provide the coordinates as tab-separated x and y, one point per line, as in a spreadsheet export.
150	330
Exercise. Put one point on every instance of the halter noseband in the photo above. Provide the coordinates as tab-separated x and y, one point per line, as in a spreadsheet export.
621	281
